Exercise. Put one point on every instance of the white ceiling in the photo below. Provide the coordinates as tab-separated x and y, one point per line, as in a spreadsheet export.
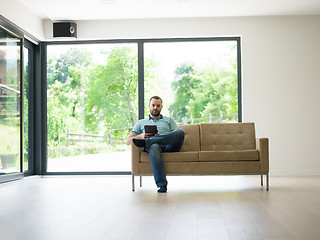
134	9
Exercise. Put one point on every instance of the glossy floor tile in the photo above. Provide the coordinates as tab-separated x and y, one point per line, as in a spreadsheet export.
195	207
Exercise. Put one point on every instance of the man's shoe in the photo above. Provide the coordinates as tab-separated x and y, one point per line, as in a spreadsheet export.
162	189
139	142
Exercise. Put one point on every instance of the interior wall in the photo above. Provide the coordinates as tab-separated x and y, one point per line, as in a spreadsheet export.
281	89
23	17
280	75
280	71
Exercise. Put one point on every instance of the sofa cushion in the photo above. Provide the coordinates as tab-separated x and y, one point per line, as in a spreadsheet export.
192	138
174	157
218	156
227	136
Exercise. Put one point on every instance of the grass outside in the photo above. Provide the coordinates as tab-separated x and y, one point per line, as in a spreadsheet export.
11	139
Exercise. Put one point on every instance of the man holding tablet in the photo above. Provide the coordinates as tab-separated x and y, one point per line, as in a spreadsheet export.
157	134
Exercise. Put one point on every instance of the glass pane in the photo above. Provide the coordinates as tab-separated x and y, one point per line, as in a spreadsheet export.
9	103
26	109
196	80
92	103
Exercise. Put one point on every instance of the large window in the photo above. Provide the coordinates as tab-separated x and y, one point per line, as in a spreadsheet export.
10	102
92	103
197	80
16	102
28	78
95	92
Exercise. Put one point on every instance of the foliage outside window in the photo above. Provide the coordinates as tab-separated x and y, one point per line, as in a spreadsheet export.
92	95
197	80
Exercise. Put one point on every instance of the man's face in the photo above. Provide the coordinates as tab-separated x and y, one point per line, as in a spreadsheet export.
155	107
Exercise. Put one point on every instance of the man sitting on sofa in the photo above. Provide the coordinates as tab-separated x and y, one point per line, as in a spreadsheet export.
168	139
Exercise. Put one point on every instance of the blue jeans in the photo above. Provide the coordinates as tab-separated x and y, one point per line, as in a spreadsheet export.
168	142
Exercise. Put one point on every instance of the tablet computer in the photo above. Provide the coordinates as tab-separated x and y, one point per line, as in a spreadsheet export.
151	129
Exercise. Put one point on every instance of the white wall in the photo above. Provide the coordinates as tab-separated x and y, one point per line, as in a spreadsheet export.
23	17
281	75
281	85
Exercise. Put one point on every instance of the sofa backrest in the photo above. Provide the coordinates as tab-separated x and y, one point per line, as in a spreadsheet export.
192	138
227	136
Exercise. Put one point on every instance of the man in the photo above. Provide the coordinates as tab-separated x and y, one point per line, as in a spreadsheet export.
168	139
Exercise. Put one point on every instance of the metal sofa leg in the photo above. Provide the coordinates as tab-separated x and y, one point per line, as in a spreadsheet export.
261	180
267	176
132	183
140	181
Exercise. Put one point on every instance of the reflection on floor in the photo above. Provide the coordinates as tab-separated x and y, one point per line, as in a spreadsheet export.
207	207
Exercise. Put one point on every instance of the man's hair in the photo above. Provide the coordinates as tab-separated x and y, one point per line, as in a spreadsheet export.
155	97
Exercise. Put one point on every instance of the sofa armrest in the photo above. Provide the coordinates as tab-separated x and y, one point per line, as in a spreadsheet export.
135	158
263	148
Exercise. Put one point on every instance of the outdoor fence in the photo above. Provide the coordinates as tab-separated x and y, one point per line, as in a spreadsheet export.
116	137
221	118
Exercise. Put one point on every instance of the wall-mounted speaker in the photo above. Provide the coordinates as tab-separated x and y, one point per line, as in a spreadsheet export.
65	29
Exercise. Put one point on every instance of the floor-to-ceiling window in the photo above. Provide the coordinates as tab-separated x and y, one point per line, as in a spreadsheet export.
28	77
10	102
16	103
94	93
26	109
92	104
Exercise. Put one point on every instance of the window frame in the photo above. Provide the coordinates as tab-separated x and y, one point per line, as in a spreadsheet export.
31	67
140	44
28	41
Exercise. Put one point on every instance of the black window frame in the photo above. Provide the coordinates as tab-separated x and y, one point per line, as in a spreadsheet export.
30	42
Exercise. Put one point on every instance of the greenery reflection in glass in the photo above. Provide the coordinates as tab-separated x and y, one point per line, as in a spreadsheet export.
26	109
9	103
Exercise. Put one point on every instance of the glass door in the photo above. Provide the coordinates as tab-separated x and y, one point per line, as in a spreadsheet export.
10	103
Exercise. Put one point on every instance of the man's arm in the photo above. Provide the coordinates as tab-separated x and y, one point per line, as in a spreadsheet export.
172	124
138	136
130	137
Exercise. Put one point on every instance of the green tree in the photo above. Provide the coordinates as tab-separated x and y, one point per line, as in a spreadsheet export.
66	78
201	93
113	90
59	120
218	91
59	66
184	86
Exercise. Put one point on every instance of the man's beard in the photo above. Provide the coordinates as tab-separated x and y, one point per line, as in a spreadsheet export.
155	113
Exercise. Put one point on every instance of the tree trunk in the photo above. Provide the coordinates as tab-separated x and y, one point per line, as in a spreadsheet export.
131	109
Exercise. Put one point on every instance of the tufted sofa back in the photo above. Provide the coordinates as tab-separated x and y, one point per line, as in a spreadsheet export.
227	136
192	138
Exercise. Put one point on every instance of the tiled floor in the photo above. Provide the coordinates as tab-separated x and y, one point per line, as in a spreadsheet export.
211	207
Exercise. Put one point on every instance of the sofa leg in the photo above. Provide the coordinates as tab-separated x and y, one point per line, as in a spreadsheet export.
267	176
261	180
140	181
132	183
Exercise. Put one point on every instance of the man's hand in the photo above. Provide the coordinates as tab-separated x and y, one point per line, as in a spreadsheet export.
145	135
140	136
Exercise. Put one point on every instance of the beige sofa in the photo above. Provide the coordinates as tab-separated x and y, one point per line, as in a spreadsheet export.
211	149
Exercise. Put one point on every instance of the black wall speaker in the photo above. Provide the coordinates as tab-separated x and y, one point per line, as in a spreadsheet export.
65	29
